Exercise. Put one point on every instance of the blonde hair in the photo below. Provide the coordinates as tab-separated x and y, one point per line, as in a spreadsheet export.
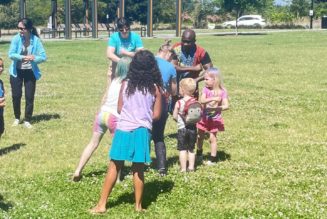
188	85
215	73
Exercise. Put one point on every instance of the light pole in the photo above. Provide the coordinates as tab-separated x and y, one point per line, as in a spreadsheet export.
311	14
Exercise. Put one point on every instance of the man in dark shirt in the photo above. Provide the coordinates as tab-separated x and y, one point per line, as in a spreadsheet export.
190	59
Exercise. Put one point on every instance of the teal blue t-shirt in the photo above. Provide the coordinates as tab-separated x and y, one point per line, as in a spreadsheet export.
131	44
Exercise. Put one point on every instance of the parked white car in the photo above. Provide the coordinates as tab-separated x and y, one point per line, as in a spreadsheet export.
247	21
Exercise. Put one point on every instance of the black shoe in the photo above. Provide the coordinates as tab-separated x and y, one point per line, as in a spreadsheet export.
162	172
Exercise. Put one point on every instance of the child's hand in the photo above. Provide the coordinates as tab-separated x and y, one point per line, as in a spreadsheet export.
2	102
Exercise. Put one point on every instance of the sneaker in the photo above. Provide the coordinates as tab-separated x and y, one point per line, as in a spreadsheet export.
16	122
210	163
28	125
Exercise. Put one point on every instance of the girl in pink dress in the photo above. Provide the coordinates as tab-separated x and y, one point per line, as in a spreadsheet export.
214	99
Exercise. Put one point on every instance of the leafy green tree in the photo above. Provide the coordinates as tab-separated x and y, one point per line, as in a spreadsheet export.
9	15
300	8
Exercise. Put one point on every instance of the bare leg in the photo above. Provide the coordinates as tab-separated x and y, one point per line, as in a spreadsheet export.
138	179
183	160
87	153
200	139
108	184
213	144
191	160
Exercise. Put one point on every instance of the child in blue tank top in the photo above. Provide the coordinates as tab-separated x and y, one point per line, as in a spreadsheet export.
139	104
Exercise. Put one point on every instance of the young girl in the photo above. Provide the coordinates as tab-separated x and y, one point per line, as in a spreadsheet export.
214	99
139	104
106	118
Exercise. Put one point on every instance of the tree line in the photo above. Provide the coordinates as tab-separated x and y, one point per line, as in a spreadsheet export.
195	12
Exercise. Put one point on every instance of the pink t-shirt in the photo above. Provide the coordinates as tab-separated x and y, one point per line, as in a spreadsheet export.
212	113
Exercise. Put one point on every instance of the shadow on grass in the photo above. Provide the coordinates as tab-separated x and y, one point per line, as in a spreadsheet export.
221	156
11	148
44	117
151	192
170	162
172	135
4	205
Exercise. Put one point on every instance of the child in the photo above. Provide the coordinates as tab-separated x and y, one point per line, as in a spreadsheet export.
139	104
107	117
2	100
186	136
214	99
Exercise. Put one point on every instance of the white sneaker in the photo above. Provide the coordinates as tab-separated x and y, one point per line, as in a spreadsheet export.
210	163
15	123
28	125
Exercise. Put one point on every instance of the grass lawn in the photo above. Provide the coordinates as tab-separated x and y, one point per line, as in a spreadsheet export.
272	155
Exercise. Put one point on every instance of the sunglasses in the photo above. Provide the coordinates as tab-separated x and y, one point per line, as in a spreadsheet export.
125	28
187	41
21	28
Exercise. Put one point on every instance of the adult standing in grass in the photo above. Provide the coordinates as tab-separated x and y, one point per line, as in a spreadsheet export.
107	117
26	52
122	43
168	74
190	58
139	104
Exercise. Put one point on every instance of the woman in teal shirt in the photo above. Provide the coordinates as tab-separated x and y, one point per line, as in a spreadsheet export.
122	43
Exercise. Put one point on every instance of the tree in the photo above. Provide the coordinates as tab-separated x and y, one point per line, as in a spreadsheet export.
9	14
300	8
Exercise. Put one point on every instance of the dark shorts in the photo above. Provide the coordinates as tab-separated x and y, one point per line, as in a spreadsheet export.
186	139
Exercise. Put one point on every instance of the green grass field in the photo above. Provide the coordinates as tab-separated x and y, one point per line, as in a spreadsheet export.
272	155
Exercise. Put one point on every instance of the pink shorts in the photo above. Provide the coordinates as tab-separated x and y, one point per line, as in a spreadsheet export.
103	121
212	126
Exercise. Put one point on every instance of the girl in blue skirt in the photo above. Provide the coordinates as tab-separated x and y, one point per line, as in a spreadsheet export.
139	104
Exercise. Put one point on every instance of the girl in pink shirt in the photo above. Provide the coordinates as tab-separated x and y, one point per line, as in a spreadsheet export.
214	99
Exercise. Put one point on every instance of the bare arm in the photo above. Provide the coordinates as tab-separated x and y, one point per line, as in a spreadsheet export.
157	105
224	105
124	52
111	54
173	87
175	113
2	101
120	98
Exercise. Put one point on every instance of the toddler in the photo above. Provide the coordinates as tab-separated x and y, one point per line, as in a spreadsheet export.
214	99
186	136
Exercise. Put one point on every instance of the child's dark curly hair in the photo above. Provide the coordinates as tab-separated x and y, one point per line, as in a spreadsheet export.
143	74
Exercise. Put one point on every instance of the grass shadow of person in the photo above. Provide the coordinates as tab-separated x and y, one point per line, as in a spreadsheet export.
151	192
169	162
4	206
11	148
221	156
44	117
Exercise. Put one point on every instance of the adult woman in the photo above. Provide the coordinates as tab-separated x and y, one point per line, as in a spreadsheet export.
26	52
122	43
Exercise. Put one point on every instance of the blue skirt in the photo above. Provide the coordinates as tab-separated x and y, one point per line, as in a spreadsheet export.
133	146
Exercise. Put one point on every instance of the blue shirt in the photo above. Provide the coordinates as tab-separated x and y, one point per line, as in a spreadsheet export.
168	71
131	44
2	91
35	48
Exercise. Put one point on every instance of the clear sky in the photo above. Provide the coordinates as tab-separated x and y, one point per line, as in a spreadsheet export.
282	2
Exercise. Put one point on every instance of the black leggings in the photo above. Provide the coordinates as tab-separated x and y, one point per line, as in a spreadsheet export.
27	77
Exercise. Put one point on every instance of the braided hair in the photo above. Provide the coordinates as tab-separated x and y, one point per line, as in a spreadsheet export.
143	74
